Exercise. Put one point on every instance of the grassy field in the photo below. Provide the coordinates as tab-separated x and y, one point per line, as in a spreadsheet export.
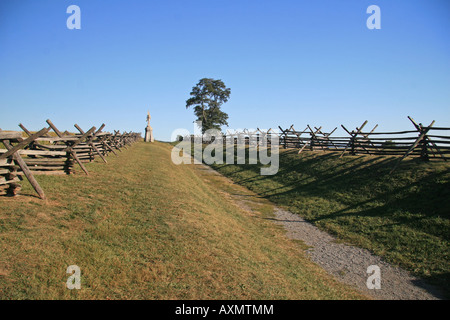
404	217
141	227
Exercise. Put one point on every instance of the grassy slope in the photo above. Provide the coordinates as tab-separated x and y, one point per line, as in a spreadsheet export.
403	217
140	227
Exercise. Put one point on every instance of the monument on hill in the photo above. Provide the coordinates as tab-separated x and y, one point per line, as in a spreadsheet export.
148	130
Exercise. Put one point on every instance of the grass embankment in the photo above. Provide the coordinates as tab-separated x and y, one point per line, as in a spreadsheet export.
141	227
403	217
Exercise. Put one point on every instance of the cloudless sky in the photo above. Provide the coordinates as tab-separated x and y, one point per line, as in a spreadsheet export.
286	62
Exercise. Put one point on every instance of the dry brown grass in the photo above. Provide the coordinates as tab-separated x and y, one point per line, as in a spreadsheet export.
141	227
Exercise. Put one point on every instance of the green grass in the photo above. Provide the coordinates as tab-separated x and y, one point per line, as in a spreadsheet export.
403	217
141	227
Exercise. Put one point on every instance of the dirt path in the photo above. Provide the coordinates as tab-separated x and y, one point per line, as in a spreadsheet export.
349	264
346	263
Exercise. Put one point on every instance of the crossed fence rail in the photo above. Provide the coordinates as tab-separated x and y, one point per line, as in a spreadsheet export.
29	154
424	142
419	142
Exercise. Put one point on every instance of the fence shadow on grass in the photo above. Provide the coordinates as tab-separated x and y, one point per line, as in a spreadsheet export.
404	215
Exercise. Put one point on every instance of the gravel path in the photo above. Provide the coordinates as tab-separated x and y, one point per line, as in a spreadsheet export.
349	264
346	263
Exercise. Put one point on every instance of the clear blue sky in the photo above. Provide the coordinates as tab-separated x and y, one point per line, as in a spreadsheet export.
286	62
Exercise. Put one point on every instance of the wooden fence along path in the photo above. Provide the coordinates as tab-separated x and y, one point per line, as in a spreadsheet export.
41	154
424	142
256	137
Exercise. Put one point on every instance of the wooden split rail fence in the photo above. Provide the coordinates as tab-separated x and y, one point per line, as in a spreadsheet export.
424	142
39	153
256	137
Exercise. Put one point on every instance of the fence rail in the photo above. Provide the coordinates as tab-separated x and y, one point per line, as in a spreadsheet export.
424	142
400	143
29	154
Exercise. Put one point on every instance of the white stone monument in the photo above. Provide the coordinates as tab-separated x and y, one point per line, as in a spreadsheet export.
148	130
